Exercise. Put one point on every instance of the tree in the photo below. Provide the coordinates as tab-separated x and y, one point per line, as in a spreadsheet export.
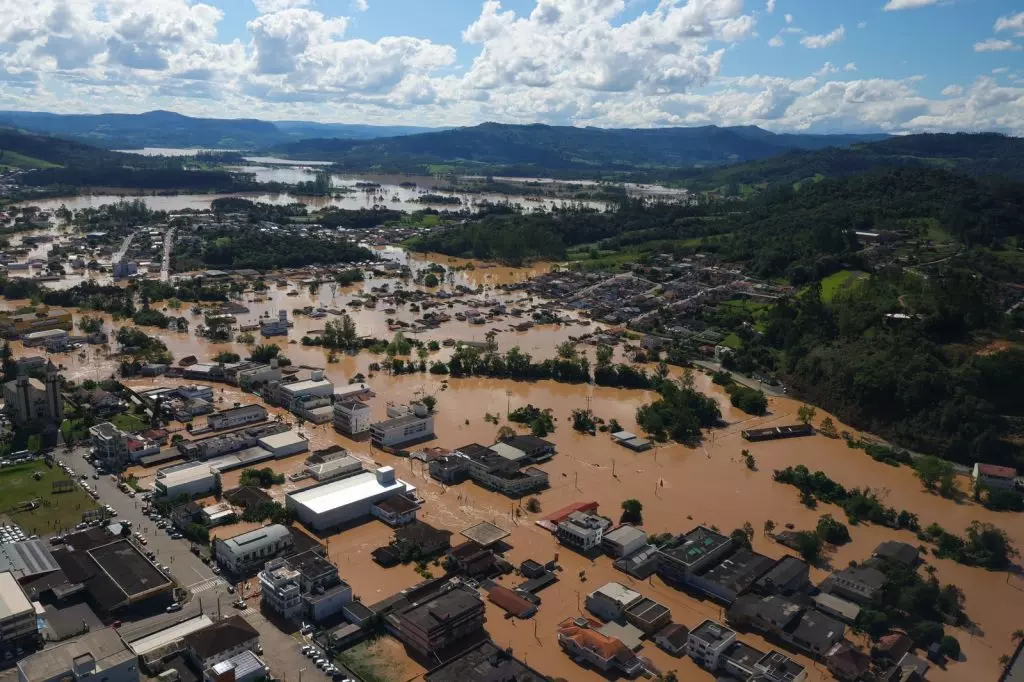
769	527
583	421
430	402
430	280
931	470
950	647
264	352
749	460
828	427
506	432
832	531
632	511
533	505
808	544
806	413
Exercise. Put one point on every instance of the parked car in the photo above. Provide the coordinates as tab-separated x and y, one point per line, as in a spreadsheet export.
231	589
174	607
215	570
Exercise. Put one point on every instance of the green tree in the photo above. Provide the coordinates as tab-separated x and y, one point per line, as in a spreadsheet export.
808	544
931	470
805	413
506	432
632	511
533	505
832	531
430	402
950	647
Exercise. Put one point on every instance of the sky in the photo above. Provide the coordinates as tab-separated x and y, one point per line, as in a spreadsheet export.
893	66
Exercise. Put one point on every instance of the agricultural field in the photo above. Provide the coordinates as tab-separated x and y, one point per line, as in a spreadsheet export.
19	485
838	281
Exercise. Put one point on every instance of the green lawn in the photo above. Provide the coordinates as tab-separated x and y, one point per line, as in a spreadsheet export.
11	159
57	510
732	341
369	660
130	423
838	281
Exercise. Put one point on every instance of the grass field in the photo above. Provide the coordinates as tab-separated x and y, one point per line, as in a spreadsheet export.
11	159
58	510
838	281
129	423
369	661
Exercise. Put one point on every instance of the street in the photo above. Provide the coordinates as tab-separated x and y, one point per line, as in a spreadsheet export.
208	591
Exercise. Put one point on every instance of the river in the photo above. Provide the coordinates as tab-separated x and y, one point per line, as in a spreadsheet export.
679	486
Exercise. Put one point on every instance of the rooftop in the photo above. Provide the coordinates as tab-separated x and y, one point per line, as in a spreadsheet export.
182	476
267	534
507	451
396	422
778	667
128	568
711	632
511	602
819	630
442	608
243	664
618	593
486	662
785	570
281	440
485	534
900	551
162	638
102	646
221	636
397	504
647	610
13	601
675	634
743	655
738	571
323	498
26	558
311	564
624	535
309	385
691	547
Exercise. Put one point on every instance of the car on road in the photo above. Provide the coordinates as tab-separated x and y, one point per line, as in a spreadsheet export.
131	494
165	568
176	606
320	663
231	589
144	541
215	570
96	477
176	536
240	604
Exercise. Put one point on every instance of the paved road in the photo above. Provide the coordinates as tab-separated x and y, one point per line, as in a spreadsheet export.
123	250
165	267
209	592
776	391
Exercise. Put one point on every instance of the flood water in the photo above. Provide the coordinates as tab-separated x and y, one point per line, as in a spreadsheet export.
678	486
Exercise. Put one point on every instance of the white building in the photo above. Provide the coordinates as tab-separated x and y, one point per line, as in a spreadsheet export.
254	377
708	642
305	586
51	338
283	444
194	392
611	601
255	548
108	442
339	467
242	667
237	416
623	541
96	656
354	391
583	532
352	417
278	327
407	424
333	504
17	615
194	478
316	386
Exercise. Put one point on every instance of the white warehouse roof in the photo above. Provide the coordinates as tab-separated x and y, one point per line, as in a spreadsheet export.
323	498
281	440
185	475
302	386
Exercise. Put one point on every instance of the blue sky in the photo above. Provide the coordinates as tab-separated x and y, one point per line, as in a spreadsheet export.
815	65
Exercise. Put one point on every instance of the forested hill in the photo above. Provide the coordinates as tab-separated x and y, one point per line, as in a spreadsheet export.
170	129
537	148
26	150
976	154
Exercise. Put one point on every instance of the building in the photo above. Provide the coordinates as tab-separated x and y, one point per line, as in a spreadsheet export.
672	638
397	510
807	629
18	627
533	449
55	339
623	541
216	514
31	402
787	576
27	559
279	327
109	443
994	476
582	532
191	479
283	444
97	656
342	465
312	408
420	540
14	326
611	601
352	417
490	470
485	662
440	621
732	575
248	550
847	663
305	587
415	426
257	375
775	666
237	416
858	584
242	667
332	504
632	441
220	642
353	391
510	602
683	556
836	607
642	563
315	387
708	643
648	616
904	553
580	638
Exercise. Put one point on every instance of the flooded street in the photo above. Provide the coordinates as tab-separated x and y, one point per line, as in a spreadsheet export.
679	486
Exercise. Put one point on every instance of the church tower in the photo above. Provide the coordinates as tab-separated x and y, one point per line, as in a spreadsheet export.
54	401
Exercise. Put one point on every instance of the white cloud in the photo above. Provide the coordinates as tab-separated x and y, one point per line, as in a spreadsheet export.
996	45
776	41
862	24
1000	70
826	69
769	6
267	6
816	42
952	91
1013	23
908	4
789	18
850	66
360	5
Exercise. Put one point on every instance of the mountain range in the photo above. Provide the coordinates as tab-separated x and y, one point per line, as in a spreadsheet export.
169	129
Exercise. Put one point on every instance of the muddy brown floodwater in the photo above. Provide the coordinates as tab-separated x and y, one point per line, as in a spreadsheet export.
678	486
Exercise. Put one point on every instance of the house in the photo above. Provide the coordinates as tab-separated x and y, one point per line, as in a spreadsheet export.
672	638
510	602
623	541
732	575
857	583
580	638
611	601
453	615
837	607
254	548
242	667
352	417
906	554
708	643
681	557
892	646
220	641
582	532
806	629
473	560
994	476
530	448
97	655
648	616
303	586
787	576
847	662
485	662
421	540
